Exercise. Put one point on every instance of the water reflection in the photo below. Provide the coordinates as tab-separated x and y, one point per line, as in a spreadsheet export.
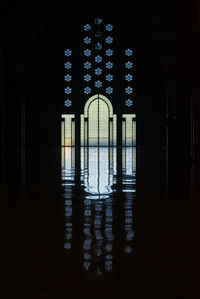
104	228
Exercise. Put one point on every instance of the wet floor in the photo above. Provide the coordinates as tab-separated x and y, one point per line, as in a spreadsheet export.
98	223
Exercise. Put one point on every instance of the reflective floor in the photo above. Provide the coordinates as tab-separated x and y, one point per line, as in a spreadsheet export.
88	223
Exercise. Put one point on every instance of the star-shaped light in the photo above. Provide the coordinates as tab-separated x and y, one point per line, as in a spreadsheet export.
109	27
98	58
129	90
68	90
98	84
109	90
98	71
68	78
87	77
129	52
68	65
109	40
87	90
87	27
109	65
87	40
87	65
87	52
109	77
109	52
129	77
68	103
129	103
128	64
68	52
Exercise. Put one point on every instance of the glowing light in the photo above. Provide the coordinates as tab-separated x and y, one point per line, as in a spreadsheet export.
68	52
87	90
109	52
129	103
87	40
98	84
87	65
87	77
98	58
129	77
87	27
68	78
68	65
87	52
129	90
68	103
109	65
129	52
109	27
109	77
98	46
98	21
109	90
68	90
109	40
98	71
128	64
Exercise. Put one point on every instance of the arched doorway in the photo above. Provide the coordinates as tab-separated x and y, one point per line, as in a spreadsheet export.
98	123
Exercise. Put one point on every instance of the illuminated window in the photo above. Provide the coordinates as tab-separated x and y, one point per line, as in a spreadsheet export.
68	130
128	130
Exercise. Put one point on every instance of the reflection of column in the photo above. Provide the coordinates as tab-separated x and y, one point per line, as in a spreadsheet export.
109	235
68	171
87	234
98	235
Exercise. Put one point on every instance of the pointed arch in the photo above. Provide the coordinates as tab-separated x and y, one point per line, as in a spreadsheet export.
100	97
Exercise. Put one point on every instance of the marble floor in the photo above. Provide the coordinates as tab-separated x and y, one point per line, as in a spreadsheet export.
94	223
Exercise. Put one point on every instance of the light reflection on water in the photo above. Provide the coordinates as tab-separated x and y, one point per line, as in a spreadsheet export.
100	199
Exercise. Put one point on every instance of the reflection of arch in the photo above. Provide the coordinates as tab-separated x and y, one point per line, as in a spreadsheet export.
98	123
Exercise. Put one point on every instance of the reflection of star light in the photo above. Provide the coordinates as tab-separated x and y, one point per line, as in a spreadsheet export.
109	40
129	52
109	27
87	27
